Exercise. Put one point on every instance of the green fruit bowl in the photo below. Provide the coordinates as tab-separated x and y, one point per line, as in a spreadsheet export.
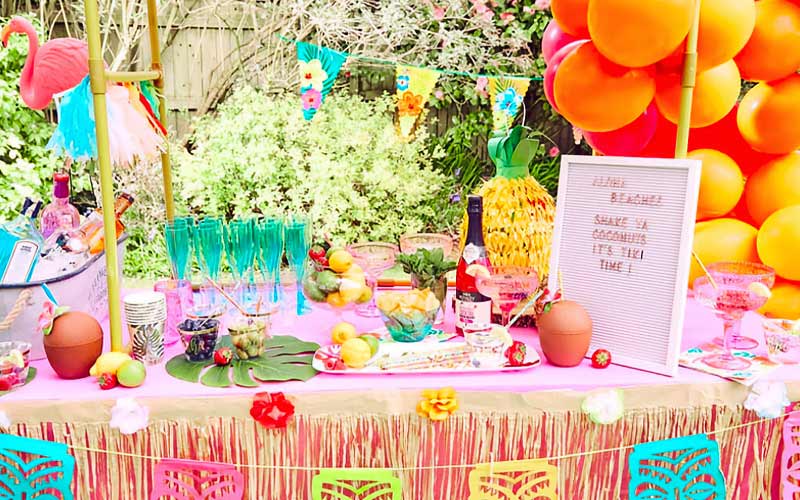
337	291
412	327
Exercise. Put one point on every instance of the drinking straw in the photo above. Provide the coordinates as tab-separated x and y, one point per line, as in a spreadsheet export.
228	297
531	301
703	267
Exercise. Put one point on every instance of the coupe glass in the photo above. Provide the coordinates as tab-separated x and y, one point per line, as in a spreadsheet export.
735	290
744	273
269	250
297	238
410	243
208	250
240	245
374	258
507	286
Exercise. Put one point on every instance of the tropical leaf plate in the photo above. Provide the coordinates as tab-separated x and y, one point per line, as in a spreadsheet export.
284	358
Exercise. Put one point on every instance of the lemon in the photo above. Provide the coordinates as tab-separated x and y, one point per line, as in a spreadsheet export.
366	295
335	300
350	291
759	289
343	332
340	261
476	270
356	352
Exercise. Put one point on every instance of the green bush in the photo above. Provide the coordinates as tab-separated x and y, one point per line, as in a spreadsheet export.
347	168
25	165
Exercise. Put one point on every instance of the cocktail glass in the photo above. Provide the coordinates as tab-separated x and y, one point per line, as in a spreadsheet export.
410	243
741	273
374	258
269	243
737	287
297	238
507	286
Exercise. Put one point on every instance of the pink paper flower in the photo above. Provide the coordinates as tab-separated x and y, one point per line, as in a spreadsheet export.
129	416
507	17
312	99
438	94
554	151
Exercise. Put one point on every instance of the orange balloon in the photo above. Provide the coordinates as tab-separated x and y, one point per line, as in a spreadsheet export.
597	95
638	33
571	16
774	186
715	94
721	183
721	240
773	50
784	301
769	116
778	241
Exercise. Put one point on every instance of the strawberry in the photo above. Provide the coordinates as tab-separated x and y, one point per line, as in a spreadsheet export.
223	356
330	363
516	353
601	358
317	253
107	381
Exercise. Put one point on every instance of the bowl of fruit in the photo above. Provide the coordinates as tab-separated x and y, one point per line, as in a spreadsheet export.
333	279
408	315
14	362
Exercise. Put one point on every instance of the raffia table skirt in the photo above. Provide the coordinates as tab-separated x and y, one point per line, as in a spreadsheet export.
380	430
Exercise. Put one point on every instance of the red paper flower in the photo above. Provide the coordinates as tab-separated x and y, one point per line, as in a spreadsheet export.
272	410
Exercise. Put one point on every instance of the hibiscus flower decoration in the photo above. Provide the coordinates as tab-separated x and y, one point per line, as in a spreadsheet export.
48	315
402	82
437	405
129	416
410	104
508	101
312	99
604	407
312	75
272	410
767	399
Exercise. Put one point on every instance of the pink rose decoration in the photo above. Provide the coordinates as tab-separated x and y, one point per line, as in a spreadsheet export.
554	151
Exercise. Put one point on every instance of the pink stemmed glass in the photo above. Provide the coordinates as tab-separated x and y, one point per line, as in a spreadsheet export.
374	258
744	273
507	286
738	287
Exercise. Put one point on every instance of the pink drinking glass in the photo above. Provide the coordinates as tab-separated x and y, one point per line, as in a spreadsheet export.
507	286
179	303
743	273
737	288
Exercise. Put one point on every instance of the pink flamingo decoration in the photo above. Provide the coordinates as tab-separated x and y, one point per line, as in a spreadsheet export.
58	65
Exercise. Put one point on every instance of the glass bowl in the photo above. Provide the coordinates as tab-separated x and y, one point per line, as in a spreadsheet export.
336	290
413	326
487	348
14	362
199	337
248	334
410	243
783	340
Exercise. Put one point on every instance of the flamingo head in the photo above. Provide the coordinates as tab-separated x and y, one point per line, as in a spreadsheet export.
16	25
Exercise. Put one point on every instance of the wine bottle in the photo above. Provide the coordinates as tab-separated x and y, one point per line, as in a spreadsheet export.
90	235
471	306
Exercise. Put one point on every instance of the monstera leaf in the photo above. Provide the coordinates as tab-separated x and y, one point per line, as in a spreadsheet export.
516	480
284	358
685	468
356	484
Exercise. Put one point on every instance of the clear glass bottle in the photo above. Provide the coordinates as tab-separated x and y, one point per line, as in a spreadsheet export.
60	213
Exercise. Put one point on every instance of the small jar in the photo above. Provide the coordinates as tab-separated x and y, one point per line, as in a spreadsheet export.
487	348
199	337
14	363
248	333
783	340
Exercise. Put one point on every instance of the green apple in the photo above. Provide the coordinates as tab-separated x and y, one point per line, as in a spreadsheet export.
131	373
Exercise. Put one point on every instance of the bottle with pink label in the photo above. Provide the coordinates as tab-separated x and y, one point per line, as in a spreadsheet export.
60	213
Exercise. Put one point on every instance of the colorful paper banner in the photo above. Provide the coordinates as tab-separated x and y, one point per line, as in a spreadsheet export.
414	87
515	480
506	96
319	67
356	484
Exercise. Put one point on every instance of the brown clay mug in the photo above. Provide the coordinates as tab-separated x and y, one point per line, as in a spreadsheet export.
74	344
565	332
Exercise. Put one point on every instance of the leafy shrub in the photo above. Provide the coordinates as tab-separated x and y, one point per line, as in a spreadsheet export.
25	164
347	168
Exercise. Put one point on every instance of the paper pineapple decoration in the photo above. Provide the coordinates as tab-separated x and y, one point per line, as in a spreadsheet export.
518	212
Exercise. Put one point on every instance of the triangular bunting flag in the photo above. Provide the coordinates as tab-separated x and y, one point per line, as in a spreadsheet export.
319	67
414	87
506	95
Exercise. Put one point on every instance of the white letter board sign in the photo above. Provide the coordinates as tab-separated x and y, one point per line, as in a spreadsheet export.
622	248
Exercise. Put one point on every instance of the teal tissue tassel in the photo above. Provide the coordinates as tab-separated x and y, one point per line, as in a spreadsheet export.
75	134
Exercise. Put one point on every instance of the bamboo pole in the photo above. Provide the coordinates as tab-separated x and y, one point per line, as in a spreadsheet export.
155	58
97	76
132	76
687	85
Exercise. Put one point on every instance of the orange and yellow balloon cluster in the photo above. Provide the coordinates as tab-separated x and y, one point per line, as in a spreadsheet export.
614	71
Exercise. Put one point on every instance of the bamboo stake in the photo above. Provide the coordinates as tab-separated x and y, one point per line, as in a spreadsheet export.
687	85
97	80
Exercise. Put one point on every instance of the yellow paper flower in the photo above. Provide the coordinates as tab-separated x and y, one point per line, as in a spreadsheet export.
312	75
437	405
410	104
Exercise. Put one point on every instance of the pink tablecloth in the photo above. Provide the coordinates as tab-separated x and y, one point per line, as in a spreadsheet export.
700	326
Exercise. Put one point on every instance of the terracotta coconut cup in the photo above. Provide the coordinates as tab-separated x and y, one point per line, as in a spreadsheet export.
74	344
564	333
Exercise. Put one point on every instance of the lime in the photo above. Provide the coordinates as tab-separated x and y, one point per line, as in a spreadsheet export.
372	342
